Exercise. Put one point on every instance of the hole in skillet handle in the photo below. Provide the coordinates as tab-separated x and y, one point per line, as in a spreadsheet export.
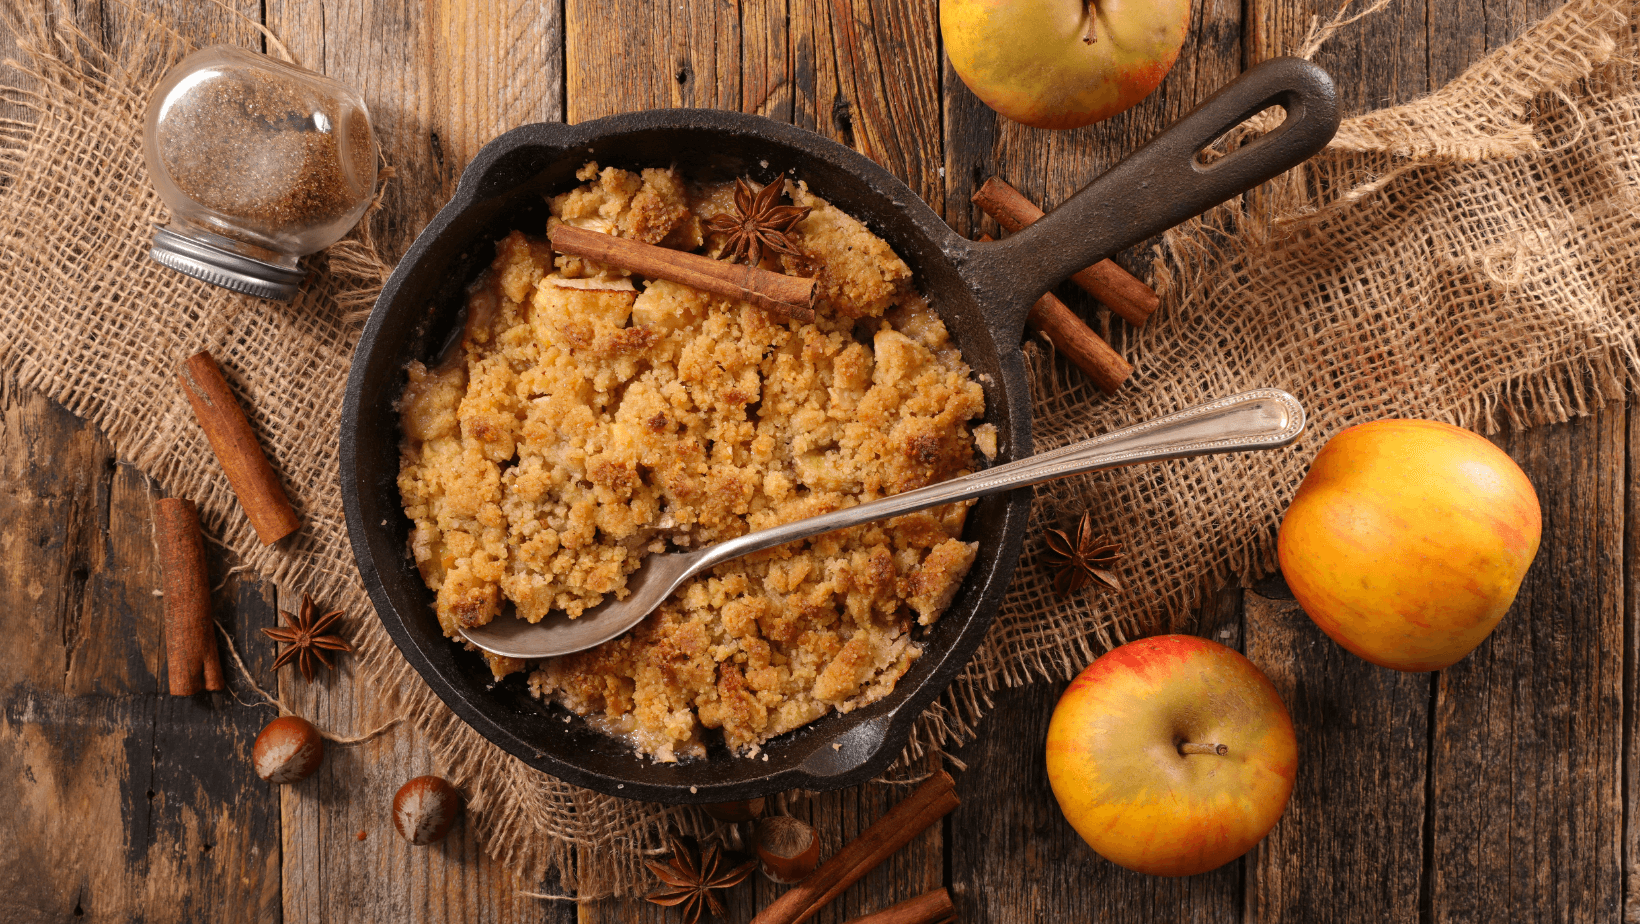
1257	126
1302	91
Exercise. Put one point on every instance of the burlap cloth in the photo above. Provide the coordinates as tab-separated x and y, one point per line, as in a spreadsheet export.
1470	257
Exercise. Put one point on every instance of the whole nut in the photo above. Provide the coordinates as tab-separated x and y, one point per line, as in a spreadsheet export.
424	809
788	850
287	750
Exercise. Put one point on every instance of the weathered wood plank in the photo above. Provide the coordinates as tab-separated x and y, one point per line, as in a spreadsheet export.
1353	845
1350	847
441	80
766	64
1462	32
1526	788
330	872
1631	678
1014	857
629	54
1381	60
128	803
875	82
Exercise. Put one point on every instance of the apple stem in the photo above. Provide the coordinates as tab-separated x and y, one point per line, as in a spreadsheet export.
1191	748
1089	37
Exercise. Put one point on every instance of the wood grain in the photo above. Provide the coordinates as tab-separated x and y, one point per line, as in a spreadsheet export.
440	79
329	873
625	55
1014	857
1526	785
1631	674
1351	845
125	803
133	805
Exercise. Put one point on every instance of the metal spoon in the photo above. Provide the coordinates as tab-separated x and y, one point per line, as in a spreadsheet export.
1265	418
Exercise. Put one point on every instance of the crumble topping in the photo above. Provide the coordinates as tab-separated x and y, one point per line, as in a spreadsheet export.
589	419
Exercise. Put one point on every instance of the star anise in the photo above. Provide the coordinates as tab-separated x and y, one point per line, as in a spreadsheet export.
757	223
691	882
1086	559
305	635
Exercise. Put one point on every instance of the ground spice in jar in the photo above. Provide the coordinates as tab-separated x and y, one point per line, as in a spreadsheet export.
260	162
261	149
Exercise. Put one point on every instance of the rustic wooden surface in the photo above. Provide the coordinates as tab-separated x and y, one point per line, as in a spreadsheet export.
1503	788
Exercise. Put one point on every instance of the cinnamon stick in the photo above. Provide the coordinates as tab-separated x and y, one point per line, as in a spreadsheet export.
928	908
1077	340
787	296
932	801
235	446
1116	287
190	647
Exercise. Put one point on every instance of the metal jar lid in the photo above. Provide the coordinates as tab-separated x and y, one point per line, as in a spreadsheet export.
225	268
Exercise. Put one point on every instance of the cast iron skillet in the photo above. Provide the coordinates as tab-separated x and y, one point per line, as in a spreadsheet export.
983	291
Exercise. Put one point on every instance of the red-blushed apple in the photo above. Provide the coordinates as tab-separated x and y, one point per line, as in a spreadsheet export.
1172	755
1062	63
1408	540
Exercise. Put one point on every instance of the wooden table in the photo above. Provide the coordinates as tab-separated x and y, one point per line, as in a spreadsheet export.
1503	788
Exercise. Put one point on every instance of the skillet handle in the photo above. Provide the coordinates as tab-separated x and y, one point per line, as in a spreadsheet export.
1163	183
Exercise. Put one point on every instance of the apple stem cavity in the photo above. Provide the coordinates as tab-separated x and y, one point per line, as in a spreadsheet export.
1193	748
1091	36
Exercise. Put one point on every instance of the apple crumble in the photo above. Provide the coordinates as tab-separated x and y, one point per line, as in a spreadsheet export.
589	418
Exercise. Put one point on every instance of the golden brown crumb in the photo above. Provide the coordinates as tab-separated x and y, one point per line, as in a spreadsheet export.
587	422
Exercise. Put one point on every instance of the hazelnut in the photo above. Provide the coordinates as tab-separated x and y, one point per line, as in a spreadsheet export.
287	750
425	808
788	850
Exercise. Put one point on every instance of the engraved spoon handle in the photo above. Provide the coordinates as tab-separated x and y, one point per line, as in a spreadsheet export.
1265	418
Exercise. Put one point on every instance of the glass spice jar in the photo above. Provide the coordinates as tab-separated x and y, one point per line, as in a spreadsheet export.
260	163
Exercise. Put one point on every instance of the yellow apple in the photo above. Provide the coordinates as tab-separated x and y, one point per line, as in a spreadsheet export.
1408	540
1171	755
1062	63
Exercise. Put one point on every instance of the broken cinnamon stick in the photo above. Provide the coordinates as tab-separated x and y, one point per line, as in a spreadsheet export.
1055	320
1116	287
787	296
928	908
932	801
235	446
191	661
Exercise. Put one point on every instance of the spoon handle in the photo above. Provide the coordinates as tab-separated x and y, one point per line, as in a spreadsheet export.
1265	418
